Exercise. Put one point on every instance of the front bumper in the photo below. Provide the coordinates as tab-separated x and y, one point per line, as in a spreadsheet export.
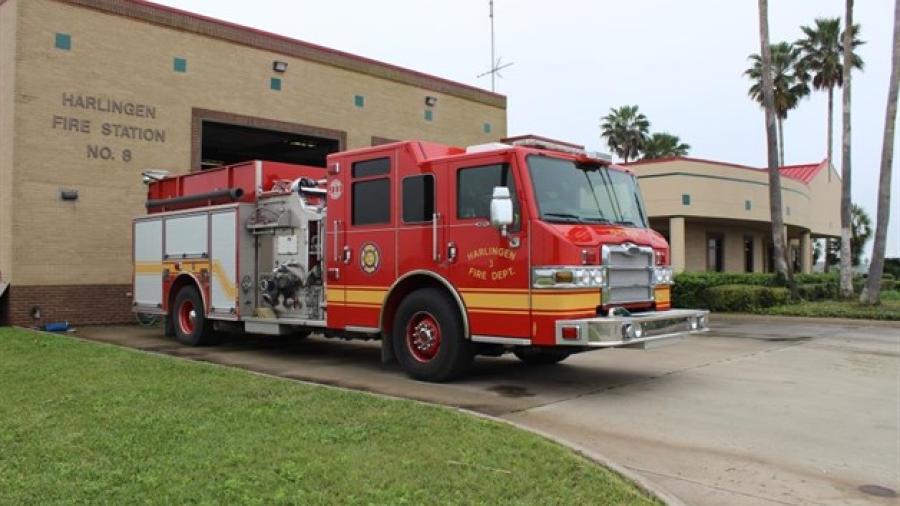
639	330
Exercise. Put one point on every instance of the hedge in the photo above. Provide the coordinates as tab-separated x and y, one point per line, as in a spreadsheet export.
745	298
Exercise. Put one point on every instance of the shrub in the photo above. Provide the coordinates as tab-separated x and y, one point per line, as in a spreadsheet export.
815	291
745	298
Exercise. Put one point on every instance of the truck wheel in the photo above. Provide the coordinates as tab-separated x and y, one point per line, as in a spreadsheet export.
537	356
191	326
428	337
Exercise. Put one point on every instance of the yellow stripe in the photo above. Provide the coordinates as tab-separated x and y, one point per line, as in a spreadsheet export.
662	294
365	296
497	311
334	294
225	283
496	300
492	290
193	267
565	301
148	268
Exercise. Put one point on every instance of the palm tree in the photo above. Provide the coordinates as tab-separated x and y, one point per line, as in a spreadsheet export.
872	292
846	203
625	130
860	234
790	84
822	61
662	144
768	89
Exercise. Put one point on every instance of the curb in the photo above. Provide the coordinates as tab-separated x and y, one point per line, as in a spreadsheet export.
642	483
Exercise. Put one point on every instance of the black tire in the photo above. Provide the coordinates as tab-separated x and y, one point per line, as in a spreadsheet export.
193	330
538	356
431	310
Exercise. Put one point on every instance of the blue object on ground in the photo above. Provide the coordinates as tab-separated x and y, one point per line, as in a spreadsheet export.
57	327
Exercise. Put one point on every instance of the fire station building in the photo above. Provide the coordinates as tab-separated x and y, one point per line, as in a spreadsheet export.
716	216
95	92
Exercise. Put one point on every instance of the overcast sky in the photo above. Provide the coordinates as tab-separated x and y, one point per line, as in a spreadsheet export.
680	61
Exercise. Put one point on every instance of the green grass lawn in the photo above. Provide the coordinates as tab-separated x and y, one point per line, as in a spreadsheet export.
889	309
84	422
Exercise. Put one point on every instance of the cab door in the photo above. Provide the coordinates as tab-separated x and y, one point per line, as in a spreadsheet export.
491	271
367	238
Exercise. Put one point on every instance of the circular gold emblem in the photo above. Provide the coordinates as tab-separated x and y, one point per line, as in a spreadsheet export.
370	258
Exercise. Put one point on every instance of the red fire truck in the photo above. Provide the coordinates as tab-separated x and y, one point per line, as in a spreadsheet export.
442	253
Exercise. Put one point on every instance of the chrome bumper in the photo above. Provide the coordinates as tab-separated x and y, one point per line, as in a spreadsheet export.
639	330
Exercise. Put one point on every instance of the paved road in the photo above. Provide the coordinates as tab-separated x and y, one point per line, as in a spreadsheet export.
759	411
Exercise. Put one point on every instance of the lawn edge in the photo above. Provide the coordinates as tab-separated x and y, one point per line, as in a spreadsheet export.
643	484
801	319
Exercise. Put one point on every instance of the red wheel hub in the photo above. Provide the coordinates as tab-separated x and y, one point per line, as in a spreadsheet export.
187	316
423	336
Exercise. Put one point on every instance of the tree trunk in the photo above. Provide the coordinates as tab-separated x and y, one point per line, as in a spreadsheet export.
781	142
872	292
830	133
778	243
846	217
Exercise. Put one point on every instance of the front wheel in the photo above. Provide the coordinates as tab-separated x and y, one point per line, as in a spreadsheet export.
428	337
187	315
538	356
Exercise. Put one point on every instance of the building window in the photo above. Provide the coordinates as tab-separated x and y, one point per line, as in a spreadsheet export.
685	199
715	252
418	199
63	41
748	205
486	128
748	254
275	84
428	115
179	65
359	101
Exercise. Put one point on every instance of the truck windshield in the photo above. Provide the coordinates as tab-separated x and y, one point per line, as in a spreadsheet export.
568	192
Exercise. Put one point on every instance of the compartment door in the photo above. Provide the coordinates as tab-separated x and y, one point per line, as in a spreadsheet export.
148	289
223	254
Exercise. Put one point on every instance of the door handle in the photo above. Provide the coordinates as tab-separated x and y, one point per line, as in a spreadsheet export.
435	252
348	253
452	251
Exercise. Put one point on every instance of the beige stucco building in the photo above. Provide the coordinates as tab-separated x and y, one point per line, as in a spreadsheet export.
716	214
94	92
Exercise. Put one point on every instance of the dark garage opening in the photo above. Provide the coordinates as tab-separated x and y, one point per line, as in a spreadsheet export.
224	144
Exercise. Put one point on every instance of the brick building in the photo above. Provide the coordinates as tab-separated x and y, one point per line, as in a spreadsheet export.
94	92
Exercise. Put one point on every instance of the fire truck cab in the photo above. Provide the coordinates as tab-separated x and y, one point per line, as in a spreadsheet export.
531	247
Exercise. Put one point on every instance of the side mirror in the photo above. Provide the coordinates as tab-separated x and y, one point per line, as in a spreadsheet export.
501	209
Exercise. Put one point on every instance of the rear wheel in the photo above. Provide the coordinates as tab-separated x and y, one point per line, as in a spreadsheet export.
538	356
187	315
428	337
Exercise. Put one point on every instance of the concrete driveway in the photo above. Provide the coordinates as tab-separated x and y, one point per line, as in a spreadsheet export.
759	411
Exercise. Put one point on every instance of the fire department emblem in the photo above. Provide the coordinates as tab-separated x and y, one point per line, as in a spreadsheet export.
336	189
370	258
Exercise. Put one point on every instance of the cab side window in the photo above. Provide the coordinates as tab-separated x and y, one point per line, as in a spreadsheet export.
475	187
371	189
418	199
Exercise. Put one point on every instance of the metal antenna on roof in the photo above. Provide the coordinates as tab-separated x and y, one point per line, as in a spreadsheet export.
496	66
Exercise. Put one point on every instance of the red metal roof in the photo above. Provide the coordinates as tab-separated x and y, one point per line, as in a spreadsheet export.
801	172
804	172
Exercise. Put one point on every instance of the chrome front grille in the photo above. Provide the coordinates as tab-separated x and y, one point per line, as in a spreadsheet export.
629	273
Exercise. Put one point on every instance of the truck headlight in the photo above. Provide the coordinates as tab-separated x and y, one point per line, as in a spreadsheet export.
662	275
568	277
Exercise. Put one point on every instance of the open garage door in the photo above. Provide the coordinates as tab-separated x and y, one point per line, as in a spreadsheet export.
225	144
